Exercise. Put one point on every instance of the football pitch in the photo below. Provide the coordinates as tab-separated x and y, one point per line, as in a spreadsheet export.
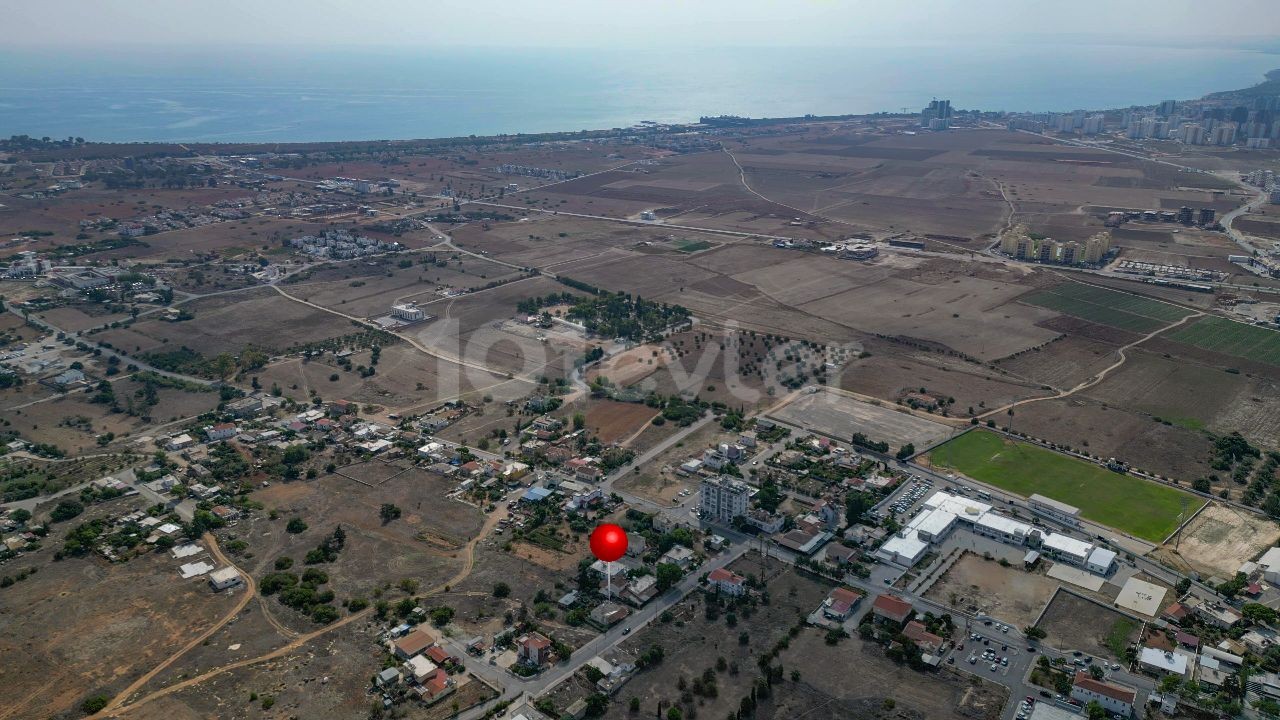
1141	508
1108	307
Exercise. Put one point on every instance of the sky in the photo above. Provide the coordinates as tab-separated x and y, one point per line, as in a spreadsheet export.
88	24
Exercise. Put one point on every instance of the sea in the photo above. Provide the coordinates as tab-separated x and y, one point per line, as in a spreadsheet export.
333	94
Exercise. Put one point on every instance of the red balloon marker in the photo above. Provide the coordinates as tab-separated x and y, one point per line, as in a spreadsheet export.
608	542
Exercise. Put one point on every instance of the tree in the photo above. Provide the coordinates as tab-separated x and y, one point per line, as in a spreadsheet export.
855	506
1095	711
668	574
389	512
92	705
1034	633
295	526
65	510
224	366
501	590
674	713
906	451
1259	613
20	515
579	421
597	704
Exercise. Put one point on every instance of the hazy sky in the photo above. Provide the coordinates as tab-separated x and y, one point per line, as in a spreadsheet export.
613	23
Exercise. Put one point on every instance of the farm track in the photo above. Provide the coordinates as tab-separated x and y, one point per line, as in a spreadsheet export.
1102	374
250	592
117	710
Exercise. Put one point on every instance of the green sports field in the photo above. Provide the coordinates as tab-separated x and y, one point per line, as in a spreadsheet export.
1108	307
1143	509
1231	338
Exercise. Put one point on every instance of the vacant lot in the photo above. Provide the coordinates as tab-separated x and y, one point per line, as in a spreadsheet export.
1143	509
978	585
616	421
1218	540
838	416
1109	307
828	690
692	643
73	644
1077	623
1231	338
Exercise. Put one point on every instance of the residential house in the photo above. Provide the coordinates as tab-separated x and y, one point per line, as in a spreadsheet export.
840	604
533	649
678	555
221	431
440	656
607	614
1115	699
727	582
433	688
1163	662
640	590
221	579
412	644
245	407
840	555
387	678
419	667
1175	613
917	633
892	609
180	442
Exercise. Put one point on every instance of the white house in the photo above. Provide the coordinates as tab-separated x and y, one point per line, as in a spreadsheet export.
224	578
1115	699
1163	662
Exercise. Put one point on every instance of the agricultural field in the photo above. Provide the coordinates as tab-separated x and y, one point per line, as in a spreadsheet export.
1141	508
1231	338
1109	307
838	416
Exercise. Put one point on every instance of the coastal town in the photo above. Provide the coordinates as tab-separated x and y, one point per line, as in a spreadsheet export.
932	414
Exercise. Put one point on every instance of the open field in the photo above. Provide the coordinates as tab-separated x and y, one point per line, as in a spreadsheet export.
75	643
1076	623
1143	509
1231	338
978	585
616	421
692	643
827	690
838	416
1107	430
1218	541
229	323
1117	309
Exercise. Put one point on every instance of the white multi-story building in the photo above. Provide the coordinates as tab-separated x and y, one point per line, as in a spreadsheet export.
408	311
724	498
1224	134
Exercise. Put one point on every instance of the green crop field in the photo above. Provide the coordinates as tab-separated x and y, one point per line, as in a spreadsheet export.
1231	338
1143	509
1108	307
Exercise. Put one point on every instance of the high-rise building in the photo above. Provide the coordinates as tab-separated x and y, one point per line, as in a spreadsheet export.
1166	108
1047	252
1185	216
1191	134
1011	238
1224	134
1066	123
1257	143
1207	216
1148	127
937	109
724	498
1092	125
1097	247
1069	253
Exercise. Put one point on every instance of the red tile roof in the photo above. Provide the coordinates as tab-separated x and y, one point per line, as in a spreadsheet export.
892	606
1115	692
535	640
918	634
438	655
723	575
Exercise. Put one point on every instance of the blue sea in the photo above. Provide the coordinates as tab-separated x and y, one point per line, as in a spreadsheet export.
259	95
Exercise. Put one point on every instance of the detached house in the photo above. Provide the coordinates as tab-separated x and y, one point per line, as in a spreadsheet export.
891	608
